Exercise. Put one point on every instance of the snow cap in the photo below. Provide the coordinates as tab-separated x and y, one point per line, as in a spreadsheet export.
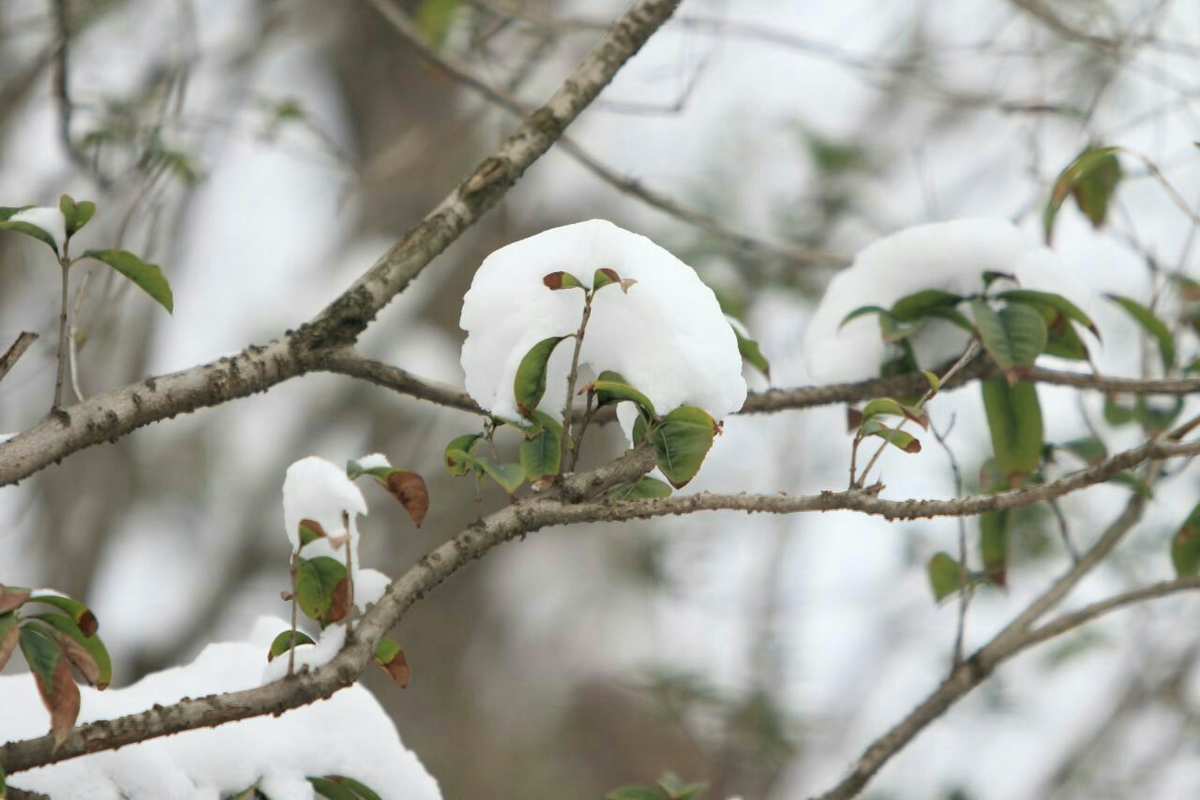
951	256
666	335
318	490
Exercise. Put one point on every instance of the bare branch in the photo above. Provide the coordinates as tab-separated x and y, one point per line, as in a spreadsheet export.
111	415
739	241
15	351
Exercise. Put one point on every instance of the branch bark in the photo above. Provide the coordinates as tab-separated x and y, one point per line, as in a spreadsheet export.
114	414
13	354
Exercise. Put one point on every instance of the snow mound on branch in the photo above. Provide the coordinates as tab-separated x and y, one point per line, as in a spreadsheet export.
374	461
667	335
315	489
349	734
951	256
48	218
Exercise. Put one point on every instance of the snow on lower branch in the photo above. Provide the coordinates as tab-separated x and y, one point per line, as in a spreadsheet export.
349	734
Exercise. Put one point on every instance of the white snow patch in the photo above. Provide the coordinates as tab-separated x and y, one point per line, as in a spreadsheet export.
369	586
48	218
349	734
309	656
318	490
374	461
951	256
4	437
667	335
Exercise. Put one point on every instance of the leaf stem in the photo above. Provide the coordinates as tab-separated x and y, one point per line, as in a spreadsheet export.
567	444
349	573
64	263
587	418
292	646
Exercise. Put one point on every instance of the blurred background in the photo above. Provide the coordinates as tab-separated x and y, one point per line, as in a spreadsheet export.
265	153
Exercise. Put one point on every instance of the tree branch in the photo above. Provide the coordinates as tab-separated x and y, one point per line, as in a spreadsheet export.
111	415
13	354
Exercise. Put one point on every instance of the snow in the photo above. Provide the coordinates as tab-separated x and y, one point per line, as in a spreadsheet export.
369	586
4	437
667	335
316	489
951	256
308	656
48	218
374	461
349	734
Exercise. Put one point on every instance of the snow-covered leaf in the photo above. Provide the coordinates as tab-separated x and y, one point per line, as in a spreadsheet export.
681	441
667	336
752	354
610	387
319	492
340	787
1053	300
529	383
148	277
923	303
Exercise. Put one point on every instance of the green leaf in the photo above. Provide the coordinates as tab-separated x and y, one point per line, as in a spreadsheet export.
359	791
310	531
935	383
541	451
752	353
1056	301
1116	414
390	657
1134	484
1091	178
283	642
681	441
52	674
559	280
529	384
643	489
886	406
1015	421
678	789
1152	325
1185	546
1062	340
897	438
946	576
148	277
612	388
1090	449
863	311
77	611
92	644
458	454
331	790
75	215
1014	336
993	545
923	304
1155	417
30	229
509	476
434	18
322	589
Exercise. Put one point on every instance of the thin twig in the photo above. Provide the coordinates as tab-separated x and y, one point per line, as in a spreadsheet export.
566	444
17	349
964	593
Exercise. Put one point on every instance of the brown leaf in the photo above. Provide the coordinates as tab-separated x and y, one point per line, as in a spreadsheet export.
8	644
854	419
82	660
11	598
409	488
87	624
340	608
398	669
61	699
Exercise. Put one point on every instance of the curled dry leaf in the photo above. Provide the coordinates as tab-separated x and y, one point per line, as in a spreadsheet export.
409	488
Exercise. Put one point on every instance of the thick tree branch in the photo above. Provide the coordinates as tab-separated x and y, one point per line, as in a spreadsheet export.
111	415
